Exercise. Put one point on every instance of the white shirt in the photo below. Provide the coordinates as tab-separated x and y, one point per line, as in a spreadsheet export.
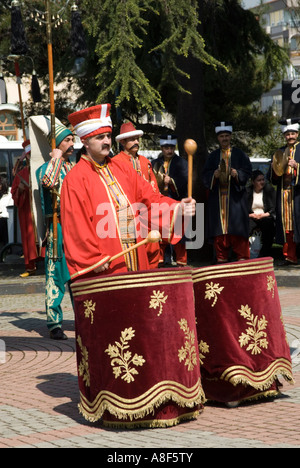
5	201
258	204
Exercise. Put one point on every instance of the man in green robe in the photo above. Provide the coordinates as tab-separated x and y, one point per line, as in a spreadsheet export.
50	177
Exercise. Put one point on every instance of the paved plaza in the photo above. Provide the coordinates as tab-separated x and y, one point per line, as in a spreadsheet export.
39	391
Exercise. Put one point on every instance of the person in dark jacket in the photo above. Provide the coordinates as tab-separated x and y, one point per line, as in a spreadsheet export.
171	172
285	174
225	175
261	205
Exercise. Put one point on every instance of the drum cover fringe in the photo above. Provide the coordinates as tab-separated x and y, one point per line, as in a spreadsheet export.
144	405
259	380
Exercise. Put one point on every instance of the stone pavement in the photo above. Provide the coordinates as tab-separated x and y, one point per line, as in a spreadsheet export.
39	392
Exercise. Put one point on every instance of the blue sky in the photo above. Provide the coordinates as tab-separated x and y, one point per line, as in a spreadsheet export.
251	3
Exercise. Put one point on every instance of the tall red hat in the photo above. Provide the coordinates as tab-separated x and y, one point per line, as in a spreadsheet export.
128	130
92	121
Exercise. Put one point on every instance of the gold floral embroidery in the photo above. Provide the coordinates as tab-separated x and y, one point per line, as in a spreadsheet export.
89	308
212	291
157	300
271	285
83	368
254	337
121	357
188	351
203	349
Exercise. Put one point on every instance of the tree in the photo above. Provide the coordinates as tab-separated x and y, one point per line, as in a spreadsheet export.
255	65
138	43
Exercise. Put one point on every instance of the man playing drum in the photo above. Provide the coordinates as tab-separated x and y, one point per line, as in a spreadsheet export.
106	209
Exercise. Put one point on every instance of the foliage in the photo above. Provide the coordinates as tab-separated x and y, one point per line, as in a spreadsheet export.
138	42
255	65
141	57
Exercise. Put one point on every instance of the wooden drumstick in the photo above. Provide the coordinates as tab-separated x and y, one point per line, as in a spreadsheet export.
190	147
153	236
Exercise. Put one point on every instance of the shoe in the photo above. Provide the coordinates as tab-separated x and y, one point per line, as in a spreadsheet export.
232	404
28	273
286	263
58	334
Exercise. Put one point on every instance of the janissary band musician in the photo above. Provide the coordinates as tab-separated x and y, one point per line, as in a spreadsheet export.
225	175
285	173
171	172
112	299
50	177
21	193
129	138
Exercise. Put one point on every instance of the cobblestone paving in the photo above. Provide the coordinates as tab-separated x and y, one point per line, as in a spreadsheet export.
39	392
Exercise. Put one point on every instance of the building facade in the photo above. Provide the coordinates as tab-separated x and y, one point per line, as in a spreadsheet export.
281	20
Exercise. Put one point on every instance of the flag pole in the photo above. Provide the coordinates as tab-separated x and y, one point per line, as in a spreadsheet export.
52	113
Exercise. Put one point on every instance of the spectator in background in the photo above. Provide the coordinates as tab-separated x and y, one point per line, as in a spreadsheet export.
261	204
5	201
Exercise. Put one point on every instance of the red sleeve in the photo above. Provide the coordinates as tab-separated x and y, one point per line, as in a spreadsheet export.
80	238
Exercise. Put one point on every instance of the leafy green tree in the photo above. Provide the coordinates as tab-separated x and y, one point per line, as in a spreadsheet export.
255	65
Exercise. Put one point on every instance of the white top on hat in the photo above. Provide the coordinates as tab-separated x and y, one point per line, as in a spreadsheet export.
289	126
168	140
123	136
224	127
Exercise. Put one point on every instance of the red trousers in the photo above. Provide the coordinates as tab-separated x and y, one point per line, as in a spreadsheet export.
240	246
289	248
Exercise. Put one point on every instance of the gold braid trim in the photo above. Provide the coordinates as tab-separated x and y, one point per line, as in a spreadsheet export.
259	380
144	405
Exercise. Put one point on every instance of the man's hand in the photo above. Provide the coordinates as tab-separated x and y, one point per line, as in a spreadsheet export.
217	173
188	206
102	268
167	180
56	153
292	163
234	173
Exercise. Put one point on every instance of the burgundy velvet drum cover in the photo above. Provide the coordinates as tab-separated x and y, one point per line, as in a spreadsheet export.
137	353
242	340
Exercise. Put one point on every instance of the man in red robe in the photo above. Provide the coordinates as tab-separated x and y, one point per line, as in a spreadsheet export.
129	139
107	207
22	198
100	200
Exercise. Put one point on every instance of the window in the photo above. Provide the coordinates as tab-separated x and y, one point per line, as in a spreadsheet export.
4	164
276	17
8	127
295	43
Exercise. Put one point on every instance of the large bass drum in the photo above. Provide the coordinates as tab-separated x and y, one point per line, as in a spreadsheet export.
242	340
137	354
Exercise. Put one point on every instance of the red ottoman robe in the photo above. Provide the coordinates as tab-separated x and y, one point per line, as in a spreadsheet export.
86	206
22	201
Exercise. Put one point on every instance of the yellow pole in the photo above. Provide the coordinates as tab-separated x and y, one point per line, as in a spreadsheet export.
52	113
